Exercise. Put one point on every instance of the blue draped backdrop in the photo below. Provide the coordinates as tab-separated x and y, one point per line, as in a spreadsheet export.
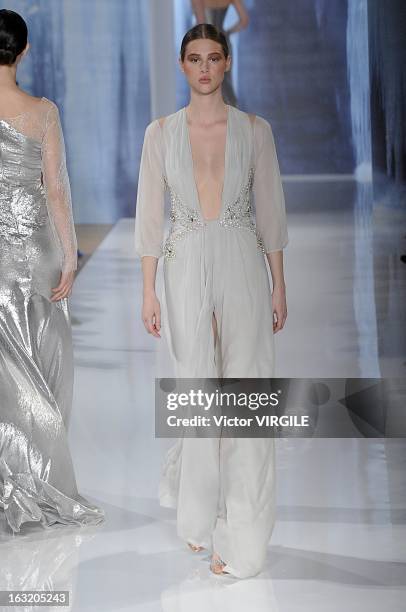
91	58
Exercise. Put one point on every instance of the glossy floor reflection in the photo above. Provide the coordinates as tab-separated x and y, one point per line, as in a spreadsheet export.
339	540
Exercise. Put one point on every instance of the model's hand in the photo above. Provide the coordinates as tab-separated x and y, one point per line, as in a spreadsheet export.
279	308
64	289
151	314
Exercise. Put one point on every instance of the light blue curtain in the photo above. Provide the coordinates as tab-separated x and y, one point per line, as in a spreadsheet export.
91	58
184	20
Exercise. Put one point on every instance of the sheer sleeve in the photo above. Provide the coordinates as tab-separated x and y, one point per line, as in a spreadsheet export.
149	214
267	189
57	188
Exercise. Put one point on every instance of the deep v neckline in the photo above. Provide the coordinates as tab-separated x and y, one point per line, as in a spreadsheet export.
192	165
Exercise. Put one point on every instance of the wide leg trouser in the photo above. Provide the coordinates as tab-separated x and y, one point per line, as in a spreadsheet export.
223	488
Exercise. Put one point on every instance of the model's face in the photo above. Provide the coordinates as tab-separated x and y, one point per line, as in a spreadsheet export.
204	65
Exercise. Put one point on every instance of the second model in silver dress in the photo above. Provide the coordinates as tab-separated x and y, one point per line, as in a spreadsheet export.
223	489
37	242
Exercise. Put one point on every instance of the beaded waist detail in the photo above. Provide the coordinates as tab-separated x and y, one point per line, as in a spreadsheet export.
185	219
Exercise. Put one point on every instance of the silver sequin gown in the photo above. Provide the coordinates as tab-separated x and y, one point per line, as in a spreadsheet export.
37	241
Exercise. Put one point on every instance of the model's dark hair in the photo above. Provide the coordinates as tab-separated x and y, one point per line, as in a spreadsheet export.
13	36
204	30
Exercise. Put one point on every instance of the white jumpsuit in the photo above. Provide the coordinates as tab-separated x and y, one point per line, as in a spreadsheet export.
223	489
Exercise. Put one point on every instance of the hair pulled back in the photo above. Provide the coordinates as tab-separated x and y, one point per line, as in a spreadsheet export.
13	36
204	30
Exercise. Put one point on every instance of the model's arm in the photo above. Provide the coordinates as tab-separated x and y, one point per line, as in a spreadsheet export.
198	9
279	305
243	18
58	196
270	213
149	223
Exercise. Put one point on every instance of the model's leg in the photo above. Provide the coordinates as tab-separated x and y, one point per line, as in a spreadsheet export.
247	466
199	484
248	482
190	479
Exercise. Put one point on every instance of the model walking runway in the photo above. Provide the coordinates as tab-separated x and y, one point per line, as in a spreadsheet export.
215	277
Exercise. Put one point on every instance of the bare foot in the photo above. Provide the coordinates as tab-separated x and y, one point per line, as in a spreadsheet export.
217	564
195	548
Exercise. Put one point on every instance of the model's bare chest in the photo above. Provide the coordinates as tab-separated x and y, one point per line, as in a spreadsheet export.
208	150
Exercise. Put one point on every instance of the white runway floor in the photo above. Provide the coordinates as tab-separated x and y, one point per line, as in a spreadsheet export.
339	541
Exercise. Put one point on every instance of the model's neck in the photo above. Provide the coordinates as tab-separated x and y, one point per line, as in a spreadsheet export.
206	108
8	77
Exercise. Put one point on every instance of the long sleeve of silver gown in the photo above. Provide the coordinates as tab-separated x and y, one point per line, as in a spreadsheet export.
37	242
56	183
